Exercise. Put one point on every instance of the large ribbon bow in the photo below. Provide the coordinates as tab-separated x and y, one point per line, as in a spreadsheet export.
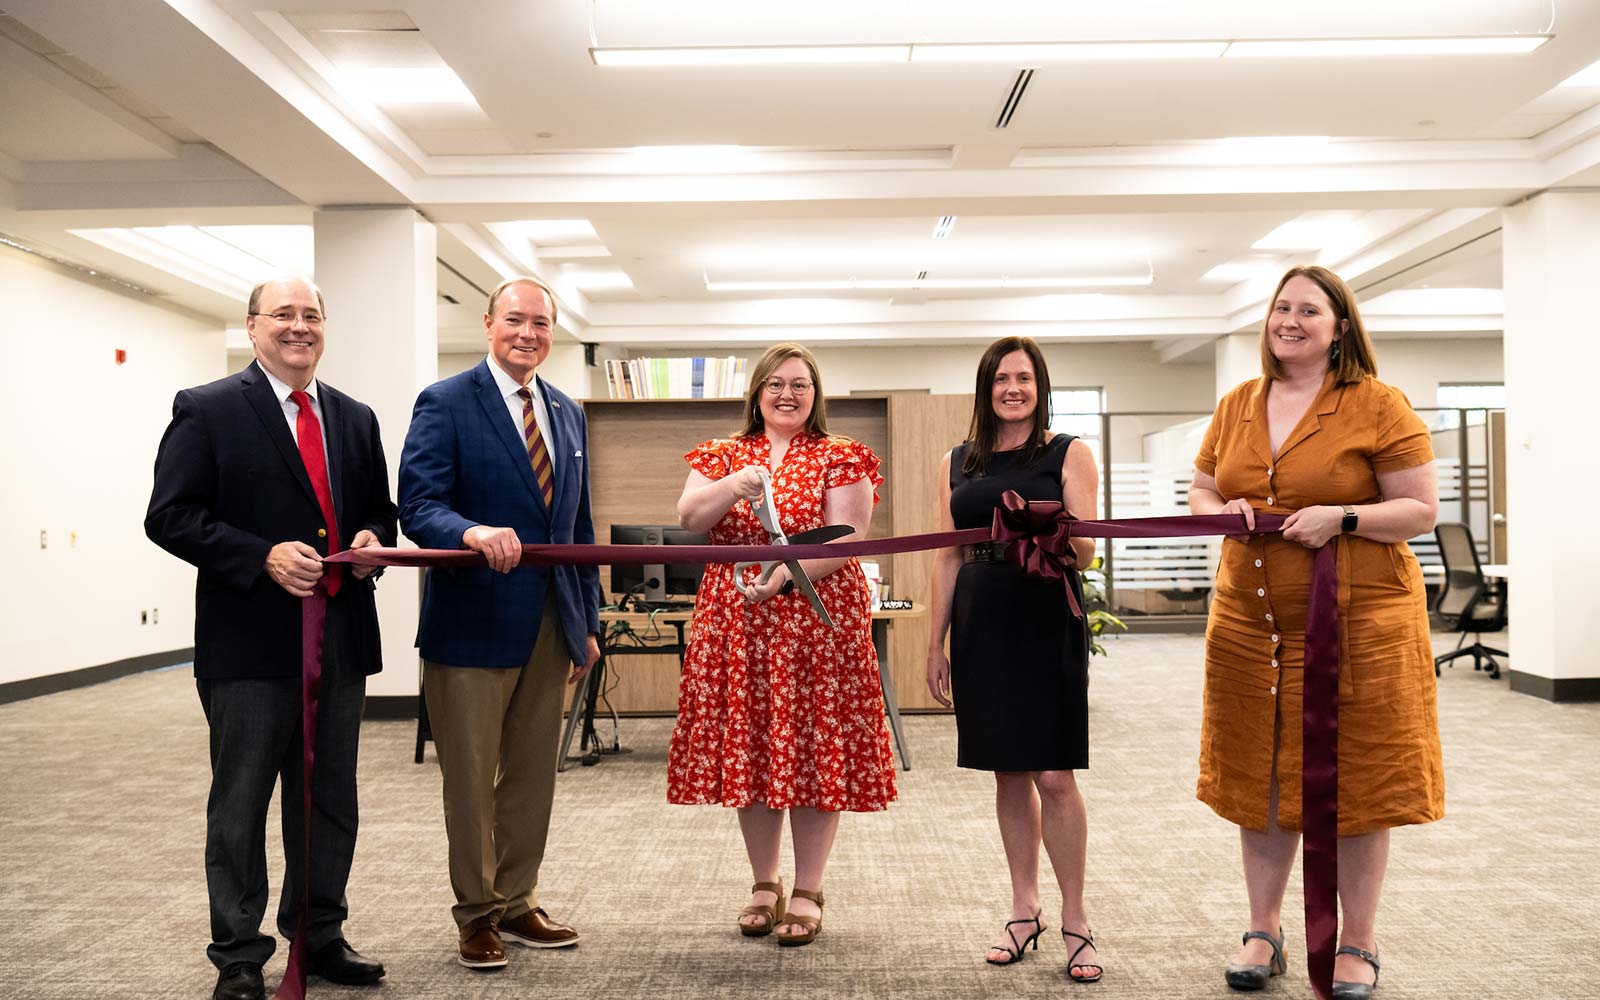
1037	535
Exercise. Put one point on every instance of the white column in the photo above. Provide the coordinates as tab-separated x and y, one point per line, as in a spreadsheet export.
1552	354
1238	359
379	273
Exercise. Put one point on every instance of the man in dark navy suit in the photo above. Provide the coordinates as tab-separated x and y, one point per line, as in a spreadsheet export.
494	458
257	478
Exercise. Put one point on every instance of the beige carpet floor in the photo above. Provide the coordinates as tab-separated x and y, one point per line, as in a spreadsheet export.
102	893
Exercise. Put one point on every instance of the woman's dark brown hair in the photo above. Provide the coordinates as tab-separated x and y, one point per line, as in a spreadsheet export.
984	432
1356	360
776	355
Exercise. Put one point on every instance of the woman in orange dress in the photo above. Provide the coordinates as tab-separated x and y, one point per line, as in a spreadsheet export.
1319	438
780	714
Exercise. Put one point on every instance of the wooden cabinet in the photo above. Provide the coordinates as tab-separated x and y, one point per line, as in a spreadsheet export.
637	472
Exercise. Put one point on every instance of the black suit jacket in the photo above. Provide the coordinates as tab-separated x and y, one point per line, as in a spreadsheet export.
229	485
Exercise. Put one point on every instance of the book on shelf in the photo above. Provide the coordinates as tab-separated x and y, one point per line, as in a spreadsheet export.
676	378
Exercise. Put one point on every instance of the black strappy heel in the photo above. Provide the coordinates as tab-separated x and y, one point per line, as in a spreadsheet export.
1254	977
1073	963
1014	952
1357	991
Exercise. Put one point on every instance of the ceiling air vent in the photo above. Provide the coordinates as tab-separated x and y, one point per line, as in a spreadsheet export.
1019	86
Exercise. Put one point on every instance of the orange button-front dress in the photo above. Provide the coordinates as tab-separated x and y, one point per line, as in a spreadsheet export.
1391	772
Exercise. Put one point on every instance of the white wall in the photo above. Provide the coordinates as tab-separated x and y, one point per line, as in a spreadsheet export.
79	453
1418	367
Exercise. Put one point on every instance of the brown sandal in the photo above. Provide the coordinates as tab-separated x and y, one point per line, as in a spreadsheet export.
768	914
812	925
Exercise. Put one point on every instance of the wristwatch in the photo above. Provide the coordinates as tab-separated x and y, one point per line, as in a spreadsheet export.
1349	523
787	588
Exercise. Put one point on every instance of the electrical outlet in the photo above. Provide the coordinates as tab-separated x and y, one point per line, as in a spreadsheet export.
144	617
155	616
44	539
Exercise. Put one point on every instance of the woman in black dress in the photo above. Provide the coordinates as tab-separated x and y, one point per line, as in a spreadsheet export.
1018	667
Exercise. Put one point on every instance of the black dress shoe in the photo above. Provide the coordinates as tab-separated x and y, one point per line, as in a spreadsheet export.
240	981
337	962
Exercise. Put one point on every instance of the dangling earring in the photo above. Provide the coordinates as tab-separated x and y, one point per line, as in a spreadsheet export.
1333	353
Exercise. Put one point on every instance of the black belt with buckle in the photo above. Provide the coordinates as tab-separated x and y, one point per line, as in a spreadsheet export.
983	552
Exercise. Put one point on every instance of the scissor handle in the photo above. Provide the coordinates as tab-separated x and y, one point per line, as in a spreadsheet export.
765	574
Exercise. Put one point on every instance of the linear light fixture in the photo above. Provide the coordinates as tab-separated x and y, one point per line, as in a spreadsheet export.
899	284
943	227
749	55
1445	45
1025	53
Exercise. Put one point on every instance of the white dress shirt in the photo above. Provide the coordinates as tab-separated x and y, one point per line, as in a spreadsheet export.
509	388
291	412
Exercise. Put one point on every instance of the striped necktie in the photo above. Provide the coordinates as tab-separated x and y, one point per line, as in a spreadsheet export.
538	454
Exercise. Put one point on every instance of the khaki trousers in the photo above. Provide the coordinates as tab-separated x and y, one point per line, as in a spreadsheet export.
495	731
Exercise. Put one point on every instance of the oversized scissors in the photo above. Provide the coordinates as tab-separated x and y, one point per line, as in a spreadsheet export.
767	513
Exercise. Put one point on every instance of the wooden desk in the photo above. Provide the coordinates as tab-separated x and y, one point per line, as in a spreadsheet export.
585	697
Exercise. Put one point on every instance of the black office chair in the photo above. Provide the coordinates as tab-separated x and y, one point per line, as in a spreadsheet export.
1467	602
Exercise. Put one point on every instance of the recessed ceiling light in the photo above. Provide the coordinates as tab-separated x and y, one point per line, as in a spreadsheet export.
229	260
1589	76
1242	270
597	279
551	230
426	85
1310	231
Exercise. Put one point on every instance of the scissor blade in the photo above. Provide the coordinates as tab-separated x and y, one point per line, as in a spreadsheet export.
817	536
803	582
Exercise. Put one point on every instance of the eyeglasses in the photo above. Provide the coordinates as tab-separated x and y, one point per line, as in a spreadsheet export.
775	386
286	317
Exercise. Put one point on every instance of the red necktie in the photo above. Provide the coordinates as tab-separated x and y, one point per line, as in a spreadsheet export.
308	431
538	454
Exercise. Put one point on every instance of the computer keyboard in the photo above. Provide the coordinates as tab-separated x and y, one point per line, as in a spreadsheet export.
653	606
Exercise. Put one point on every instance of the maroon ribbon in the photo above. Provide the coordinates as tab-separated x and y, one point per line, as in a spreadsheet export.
313	622
1319	771
1037	537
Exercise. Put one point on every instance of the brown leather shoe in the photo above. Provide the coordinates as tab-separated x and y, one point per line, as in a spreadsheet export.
480	946
535	929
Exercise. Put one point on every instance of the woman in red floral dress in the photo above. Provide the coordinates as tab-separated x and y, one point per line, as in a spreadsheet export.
778	712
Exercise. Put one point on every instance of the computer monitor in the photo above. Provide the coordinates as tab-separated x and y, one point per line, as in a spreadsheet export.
656	581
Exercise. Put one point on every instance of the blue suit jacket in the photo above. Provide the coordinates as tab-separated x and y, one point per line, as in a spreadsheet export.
465	463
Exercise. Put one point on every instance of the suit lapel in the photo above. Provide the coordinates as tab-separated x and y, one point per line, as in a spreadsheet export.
494	409
333	430
258	392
